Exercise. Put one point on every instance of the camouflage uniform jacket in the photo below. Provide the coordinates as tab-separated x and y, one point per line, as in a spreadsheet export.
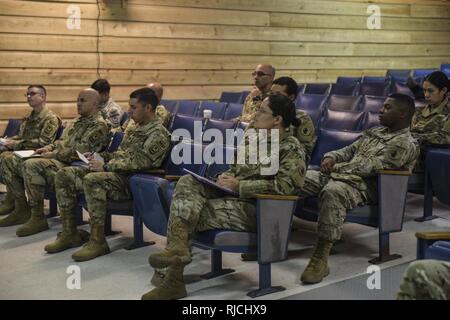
86	134
160	111
432	125
111	112
290	175
251	105
37	130
377	149
305	133
143	147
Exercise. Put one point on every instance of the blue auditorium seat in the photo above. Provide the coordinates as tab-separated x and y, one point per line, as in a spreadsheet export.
233	110
345	89
317	88
445	68
372	103
170	105
188	107
124	118
12	128
342	120
372	79
348	80
402	73
221	125
329	140
310	101
344	103
187	123
230	97
374	88
439	250
401	88
422	73
217	108
371	120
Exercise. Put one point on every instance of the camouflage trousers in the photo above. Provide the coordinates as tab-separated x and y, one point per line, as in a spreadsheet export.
426	280
335	198
39	176
205	208
97	188
11	169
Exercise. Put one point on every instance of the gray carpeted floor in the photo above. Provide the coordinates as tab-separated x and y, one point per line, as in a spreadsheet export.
27	272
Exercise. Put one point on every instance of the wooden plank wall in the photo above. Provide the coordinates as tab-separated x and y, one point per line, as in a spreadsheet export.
199	48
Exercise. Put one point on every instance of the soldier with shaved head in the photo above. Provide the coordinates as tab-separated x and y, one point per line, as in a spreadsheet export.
88	133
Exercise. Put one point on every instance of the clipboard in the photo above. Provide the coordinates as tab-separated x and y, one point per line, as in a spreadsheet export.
211	183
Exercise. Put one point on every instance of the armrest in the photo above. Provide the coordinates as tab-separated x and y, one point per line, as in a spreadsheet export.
433	235
398	172
172	178
275	197
155	172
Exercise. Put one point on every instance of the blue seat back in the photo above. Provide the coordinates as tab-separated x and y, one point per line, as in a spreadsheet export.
310	101
372	79
343	103
186	122
445	68
244	95
230	97
345	89
188	107
372	103
329	140
188	155
374	88
347	80
402	73
170	105
218	159
59	132
124	118
370	120
342	120
422	73
233	110
317	88
221	125
397	87
115	141
437	166
217	108
12	128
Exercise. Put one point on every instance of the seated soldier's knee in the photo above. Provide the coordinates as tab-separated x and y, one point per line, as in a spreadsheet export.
63	176
92	179
331	192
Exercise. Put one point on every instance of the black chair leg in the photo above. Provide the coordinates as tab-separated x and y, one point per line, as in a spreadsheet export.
384	254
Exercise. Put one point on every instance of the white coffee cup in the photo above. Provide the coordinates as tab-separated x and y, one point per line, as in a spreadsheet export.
207	114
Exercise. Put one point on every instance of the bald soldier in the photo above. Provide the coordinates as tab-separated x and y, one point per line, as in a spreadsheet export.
262	77
348	177
37	130
88	133
161	112
144	147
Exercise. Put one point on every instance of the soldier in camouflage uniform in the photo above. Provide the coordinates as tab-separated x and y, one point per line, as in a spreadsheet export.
431	124
108	108
263	77
197	207
305	132
36	130
89	133
426	280
161	112
348	177
144	147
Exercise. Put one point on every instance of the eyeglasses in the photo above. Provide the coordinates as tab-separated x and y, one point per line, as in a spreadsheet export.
30	94
260	74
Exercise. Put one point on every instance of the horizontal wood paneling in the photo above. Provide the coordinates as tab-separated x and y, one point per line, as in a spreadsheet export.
199	48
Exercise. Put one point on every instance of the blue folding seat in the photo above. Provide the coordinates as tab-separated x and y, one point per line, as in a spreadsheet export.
217	108
347	80
301	88
422	73
329	140
445	68
310	101
374	88
12	128
221	125
372	79
372	103
342	120
170	105
401	73
218	159
244	95
185	122
371	120
397	87
230	97
345	89
343	103
233	110
188	107
317	88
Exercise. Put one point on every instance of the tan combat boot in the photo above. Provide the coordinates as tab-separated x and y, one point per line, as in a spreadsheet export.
20	215
158	277
70	237
37	223
177	250
171	288
96	246
317	268
7	205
